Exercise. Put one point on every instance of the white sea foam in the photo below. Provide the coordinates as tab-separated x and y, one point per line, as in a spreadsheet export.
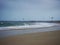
25	26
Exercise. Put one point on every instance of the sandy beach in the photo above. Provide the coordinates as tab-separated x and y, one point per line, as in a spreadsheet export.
41	38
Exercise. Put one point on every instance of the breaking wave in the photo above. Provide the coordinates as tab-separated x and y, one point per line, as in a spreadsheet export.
28	25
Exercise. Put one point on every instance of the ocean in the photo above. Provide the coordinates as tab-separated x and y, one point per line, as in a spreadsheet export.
8	28
11	23
7	25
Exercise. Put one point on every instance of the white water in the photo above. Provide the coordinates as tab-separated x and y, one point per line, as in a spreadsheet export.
34	25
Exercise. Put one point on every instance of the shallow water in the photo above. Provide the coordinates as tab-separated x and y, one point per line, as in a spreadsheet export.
26	31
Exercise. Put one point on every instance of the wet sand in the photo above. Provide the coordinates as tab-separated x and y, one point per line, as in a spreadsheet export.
41	38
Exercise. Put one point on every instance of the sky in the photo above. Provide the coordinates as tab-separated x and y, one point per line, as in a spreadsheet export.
17	10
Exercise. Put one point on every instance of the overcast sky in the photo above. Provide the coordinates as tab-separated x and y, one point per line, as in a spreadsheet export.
16	10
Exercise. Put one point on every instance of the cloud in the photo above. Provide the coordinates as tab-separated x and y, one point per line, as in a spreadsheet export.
33	4
31	9
39	4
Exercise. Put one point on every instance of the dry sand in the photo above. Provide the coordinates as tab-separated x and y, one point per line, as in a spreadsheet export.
42	38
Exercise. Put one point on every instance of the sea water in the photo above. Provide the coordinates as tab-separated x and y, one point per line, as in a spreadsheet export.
35	27
6	25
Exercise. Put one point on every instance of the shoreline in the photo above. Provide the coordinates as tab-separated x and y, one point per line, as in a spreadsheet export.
8	33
